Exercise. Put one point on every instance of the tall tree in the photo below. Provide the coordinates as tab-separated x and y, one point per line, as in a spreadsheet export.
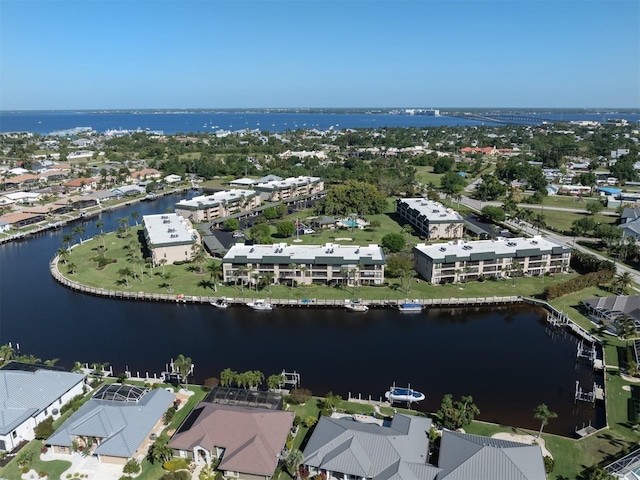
542	413
184	365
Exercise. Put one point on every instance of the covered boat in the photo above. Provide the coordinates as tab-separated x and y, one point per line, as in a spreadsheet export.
410	307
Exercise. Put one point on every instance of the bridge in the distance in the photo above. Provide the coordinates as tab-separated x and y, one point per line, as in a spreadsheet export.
503	118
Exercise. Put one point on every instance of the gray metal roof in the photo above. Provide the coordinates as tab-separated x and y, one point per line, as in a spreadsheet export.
394	451
121	426
26	394
616	305
474	457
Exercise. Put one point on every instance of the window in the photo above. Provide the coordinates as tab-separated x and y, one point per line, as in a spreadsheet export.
14	434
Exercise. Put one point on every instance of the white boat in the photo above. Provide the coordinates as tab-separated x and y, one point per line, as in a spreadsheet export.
260	305
220	303
410	307
355	306
406	395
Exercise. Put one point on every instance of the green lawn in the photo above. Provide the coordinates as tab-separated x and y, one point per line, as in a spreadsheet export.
425	175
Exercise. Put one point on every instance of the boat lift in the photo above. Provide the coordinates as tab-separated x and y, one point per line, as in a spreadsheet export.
291	378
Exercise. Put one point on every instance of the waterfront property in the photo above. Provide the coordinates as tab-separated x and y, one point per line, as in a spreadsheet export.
169	237
609	310
115	424
354	448
345	448
430	219
292	187
305	264
246	441
460	260
206	208
28	395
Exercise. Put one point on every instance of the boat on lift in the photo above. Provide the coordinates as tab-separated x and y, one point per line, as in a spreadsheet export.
410	307
404	395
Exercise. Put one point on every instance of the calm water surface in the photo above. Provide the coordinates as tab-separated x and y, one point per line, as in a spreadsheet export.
504	357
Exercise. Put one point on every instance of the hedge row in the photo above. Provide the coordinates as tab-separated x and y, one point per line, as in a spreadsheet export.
586	263
592	279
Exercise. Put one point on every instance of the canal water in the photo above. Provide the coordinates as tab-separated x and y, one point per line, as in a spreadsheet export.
505	357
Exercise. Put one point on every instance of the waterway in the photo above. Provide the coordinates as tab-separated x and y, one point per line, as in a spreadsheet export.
504	357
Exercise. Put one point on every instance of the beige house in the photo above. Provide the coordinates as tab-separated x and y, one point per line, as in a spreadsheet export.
170	238
221	204
430	219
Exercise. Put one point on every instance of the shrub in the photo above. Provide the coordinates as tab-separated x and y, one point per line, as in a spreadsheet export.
132	466
592	279
298	396
168	415
44	429
175	464
176	476
310	421
25	469
73	404
42	474
549	463
24	459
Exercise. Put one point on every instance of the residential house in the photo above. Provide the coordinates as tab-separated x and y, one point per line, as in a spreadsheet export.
460	260
306	264
243	182
346	449
23	197
28	395
473	457
221	204
172	178
115	425
146	174
245	442
430	219
21	181
128	190
170	238
81	184
21	219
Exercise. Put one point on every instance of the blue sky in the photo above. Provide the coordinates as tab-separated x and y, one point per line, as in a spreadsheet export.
93	54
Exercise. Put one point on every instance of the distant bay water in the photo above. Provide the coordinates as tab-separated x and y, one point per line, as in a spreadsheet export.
46	122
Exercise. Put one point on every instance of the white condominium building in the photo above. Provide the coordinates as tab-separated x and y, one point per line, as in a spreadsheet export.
293	187
305	264
221	204
458	260
430	219
169	237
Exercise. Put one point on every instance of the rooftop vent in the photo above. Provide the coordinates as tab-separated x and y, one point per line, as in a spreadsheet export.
443	249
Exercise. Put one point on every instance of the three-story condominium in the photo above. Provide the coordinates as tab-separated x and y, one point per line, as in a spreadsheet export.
170	238
205	208
292	187
306	264
459	260
430	219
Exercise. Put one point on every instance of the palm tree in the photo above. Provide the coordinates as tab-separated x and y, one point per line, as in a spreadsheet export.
268	279
542	413
538	221
7	352
516	268
293	462
125	273
228	377
99	225
63	254
71	268
215	273
242	271
184	366
623	281
293	267
135	216
199	256
163	262
66	238
79	231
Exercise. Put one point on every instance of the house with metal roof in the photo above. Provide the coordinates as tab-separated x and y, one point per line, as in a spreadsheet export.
399	449
115	424
246	441
430	219
345	448
28	396
306	264
459	260
170	237
609	310
474	457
